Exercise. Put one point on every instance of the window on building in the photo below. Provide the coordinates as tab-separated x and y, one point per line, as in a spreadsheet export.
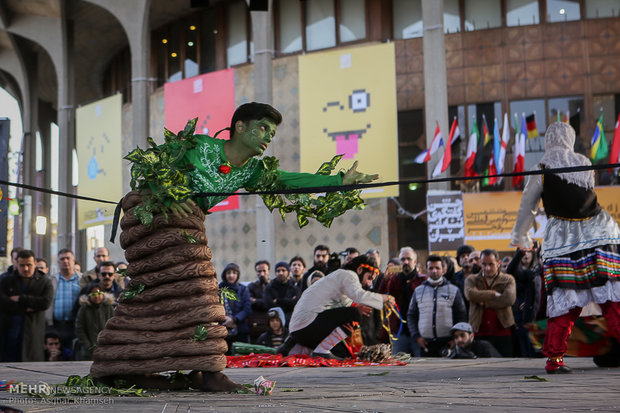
320	24
237	28
175	70
289	20
602	8
522	12
207	32
482	14
412	198
451	16
352	20
563	10
407	18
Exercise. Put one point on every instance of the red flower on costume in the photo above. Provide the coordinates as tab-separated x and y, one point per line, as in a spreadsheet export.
224	169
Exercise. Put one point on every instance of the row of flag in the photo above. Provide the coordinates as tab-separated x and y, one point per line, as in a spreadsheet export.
486	155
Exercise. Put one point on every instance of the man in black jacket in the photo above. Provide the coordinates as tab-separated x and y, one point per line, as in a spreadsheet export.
24	296
281	291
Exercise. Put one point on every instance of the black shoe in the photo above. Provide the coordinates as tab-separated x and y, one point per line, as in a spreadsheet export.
327	355
286	347
560	370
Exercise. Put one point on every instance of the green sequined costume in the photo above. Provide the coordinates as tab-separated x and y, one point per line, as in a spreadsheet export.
209	155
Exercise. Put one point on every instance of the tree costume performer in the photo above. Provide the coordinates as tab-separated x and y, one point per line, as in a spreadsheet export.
169	317
580	245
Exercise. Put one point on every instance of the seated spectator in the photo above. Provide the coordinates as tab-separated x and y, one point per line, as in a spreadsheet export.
281	291
96	308
277	331
314	277
466	347
237	311
52	349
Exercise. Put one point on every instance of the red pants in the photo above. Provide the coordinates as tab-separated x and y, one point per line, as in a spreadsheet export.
559	328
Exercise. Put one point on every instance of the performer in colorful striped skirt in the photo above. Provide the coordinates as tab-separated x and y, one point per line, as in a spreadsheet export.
580	245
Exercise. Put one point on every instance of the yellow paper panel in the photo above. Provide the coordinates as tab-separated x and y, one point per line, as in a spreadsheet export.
98	137
348	106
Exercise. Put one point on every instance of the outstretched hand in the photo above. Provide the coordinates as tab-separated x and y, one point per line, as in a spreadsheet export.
352	176
182	209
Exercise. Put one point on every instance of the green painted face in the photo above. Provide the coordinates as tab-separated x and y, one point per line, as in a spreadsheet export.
258	134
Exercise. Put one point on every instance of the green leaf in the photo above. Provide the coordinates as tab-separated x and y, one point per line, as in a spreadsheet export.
328	167
190	127
227	294
132	291
200	333
189	238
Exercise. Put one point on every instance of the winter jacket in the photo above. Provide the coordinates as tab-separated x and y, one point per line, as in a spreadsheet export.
528	283
284	295
256	290
480	298
90	320
435	309
38	296
240	308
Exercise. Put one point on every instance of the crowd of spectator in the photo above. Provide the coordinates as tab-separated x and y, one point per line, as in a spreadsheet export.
474	304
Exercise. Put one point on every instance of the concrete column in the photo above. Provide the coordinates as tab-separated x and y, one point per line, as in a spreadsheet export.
66	132
134	18
46	117
435	80
29	158
262	33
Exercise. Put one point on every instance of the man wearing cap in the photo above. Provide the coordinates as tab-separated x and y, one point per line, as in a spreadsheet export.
435	306
281	291
465	347
462	257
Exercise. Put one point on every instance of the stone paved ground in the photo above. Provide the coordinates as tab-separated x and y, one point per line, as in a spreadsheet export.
493	385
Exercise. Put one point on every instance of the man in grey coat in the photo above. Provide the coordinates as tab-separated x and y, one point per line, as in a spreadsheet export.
24	297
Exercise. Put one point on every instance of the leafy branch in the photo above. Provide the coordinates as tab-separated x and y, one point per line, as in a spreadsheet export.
159	174
323	208
227	294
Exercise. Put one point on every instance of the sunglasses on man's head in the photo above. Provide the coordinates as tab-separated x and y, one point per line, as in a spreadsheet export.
373	270
106	274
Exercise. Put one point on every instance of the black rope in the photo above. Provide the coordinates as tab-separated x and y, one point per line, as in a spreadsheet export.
338	188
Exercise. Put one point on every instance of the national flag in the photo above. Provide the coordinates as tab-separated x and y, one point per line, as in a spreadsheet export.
567	117
615	145
494	161
519	151
472	147
446	157
485	150
435	144
530	121
598	151
503	144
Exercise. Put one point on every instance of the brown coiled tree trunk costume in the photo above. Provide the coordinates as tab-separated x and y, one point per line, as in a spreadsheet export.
152	331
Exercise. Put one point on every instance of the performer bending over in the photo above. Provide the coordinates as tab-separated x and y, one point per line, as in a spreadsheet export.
580	244
323	315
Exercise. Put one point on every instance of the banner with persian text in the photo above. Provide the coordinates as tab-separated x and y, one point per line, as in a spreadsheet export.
446	223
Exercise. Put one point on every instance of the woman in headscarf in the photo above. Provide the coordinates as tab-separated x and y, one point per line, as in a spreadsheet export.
580	245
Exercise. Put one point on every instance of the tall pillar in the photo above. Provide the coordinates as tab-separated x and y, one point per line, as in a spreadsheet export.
29	155
140	43
435	78
66	132
46	116
262	33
